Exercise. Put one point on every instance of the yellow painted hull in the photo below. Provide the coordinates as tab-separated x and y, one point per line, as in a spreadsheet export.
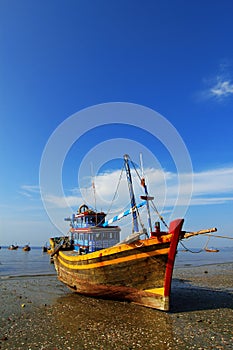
140	272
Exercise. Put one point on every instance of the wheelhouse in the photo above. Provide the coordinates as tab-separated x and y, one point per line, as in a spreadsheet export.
87	231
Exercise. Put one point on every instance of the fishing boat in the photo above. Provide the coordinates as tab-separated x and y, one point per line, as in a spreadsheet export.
26	248
210	250
93	261
45	248
13	247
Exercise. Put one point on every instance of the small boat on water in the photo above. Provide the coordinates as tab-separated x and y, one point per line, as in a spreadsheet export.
93	261
45	248
26	248
13	247
211	250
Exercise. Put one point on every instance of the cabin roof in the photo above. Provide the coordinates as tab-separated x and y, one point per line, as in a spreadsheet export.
89	213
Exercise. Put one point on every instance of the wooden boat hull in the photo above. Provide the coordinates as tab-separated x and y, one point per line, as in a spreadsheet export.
12	248
140	272
26	248
209	250
117	275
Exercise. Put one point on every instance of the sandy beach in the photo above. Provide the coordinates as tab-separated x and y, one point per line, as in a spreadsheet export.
41	313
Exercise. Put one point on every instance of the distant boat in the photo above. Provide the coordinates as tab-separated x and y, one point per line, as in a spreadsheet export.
211	250
26	248
93	261
45	248
13	247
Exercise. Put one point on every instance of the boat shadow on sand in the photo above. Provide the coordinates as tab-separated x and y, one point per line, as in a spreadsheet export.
184	298
187	298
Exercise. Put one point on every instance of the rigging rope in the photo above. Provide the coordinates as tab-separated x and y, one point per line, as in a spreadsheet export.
135	208
114	196
204	247
217	236
134	165
156	210
189	250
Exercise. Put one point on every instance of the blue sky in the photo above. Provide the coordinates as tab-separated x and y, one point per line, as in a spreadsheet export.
59	58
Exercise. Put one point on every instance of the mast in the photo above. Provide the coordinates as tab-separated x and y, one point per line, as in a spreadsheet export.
131	193
93	184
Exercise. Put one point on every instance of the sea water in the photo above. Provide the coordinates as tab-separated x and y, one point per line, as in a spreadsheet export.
195	257
36	263
21	263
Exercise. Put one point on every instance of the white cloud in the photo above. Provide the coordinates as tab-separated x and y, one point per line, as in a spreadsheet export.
62	202
211	201
212	182
29	190
209	187
219	86
222	89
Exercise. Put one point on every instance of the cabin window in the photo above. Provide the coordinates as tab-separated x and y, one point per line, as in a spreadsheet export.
92	220
92	242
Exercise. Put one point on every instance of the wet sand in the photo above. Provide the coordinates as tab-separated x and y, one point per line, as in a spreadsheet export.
41	313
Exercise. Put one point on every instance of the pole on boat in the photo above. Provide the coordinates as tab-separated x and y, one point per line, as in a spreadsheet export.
93	185
131	192
201	232
146	197
121	215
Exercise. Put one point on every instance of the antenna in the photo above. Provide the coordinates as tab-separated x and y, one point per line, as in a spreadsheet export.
146	197
93	184
141	166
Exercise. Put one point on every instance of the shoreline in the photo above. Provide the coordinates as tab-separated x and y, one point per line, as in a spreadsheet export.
41	313
177	267
6	277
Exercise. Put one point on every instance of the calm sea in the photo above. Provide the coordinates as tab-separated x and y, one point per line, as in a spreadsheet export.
196	258
35	262
20	263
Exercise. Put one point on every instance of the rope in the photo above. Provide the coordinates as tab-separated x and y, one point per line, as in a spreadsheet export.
208	239
140	221
133	164
137	211
156	210
217	236
114	196
208	235
191	251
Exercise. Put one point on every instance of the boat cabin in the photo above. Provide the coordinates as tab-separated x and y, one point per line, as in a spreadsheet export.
87	232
